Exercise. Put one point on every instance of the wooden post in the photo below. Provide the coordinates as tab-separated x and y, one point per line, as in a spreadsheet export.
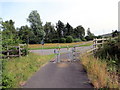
7	52
19	51
96	43
103	41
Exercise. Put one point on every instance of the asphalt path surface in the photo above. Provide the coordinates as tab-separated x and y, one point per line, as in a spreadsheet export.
64	74
62	50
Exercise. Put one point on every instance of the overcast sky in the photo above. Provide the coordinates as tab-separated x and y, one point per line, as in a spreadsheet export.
101	16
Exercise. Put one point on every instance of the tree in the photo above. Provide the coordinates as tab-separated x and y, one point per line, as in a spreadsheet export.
90	35
50	32
69	39
1	33
36	26
68	30
9	33
79	32
60	29
89	32
115	33
25	34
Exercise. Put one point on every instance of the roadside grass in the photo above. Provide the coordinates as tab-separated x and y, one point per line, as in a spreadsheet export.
17	70
98	73
58	45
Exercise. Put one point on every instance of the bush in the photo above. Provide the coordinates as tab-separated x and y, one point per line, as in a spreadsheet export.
54	40
48	41
110	51
62	40
88	38
77	40
25	51
69	39
83	39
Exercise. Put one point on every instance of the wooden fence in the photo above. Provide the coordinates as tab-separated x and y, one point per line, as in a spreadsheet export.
96	43
18	49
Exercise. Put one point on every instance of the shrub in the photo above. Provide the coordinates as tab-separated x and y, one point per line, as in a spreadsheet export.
77	40
88	38
48	41
110	51
62	40
83	39
25	51
69	39
54	40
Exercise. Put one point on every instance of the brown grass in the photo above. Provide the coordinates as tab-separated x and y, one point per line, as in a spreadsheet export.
53	45
98	74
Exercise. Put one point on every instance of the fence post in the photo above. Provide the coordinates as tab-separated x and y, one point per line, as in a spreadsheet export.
96	43
19	51
7	52
103	41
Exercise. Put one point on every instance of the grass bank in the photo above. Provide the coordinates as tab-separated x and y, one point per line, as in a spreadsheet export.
58	45
16	71
98	72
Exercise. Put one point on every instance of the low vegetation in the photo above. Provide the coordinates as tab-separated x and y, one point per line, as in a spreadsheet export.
98	73
17	70
103	67
110	51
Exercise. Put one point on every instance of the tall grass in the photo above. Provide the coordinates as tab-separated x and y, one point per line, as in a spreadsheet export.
98	73
16	71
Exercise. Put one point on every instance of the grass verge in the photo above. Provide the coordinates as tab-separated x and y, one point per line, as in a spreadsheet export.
98	73
16	71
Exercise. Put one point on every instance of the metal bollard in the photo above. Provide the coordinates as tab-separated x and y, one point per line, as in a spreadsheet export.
73	54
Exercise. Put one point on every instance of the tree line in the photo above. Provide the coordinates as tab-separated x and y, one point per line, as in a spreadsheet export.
37	32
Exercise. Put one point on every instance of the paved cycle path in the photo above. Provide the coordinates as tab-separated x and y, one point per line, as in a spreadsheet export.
62	50
60	75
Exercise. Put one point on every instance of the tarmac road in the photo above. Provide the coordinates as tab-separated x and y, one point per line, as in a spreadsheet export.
60	75
62	50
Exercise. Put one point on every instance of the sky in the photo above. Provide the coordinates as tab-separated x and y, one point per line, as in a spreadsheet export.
101	16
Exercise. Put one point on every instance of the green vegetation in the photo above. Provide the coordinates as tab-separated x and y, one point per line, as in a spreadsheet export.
103	67
90	36
69	39
77	40
98	73
37	32
17	70
36	27
110	51
63	40
9	34
115	33
87	44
